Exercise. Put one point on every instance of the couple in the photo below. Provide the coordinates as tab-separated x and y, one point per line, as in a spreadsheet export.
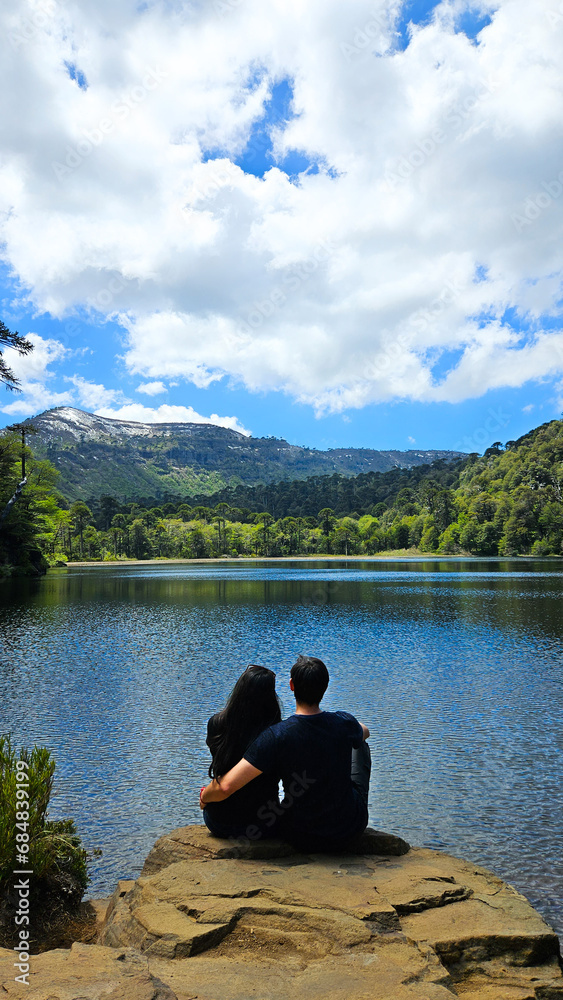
321	758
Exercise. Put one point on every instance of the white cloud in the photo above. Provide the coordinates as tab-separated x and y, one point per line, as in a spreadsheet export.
33	373
35	399
169	414
345	289
151	388
35	365
91	396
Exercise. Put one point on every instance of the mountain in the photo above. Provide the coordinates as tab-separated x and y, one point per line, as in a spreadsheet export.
128	460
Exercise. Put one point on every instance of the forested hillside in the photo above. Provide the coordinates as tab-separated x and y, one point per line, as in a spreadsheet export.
507	502
130	460
343	494
511	500
32	513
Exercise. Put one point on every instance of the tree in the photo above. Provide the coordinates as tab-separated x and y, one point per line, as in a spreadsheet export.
36	518
118	530
327	521
197	546
140	543
82	515
291	537
444	508
108	507
551	523
220	517
345	535
19	344
92	542
430	536
158	538
399	534
264	525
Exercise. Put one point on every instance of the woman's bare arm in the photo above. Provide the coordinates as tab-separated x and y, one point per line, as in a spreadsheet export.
236	778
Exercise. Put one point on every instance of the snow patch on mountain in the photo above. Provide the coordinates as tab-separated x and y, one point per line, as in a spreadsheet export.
64	421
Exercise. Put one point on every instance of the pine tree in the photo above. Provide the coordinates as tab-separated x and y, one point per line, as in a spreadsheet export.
19	344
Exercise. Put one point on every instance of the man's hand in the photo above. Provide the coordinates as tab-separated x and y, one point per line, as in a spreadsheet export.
236	778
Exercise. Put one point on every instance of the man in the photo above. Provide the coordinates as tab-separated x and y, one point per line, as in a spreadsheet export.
322	759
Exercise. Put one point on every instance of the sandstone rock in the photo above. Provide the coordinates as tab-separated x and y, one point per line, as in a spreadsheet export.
497	979
353	976
495	920
413	924
219	925
196	842
85	972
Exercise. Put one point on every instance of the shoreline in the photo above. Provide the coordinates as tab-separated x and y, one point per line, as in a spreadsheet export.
316	557
228	559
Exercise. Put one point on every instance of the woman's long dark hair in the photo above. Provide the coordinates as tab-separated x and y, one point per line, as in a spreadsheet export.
252	706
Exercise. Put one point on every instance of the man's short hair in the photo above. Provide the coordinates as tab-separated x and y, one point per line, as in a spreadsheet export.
310	679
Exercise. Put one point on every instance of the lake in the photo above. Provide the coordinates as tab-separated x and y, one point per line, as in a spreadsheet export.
455	665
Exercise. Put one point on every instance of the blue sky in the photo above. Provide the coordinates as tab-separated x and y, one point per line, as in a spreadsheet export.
340	225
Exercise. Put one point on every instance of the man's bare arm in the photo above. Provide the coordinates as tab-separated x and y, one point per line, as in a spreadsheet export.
365	731
236	778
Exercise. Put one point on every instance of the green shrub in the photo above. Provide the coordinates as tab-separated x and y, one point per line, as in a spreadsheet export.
56	855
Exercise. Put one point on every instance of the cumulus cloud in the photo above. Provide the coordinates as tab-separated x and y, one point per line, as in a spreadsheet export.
419	256
91	395
169	414
34	372
151	388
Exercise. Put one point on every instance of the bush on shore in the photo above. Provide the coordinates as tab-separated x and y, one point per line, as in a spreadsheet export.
55	854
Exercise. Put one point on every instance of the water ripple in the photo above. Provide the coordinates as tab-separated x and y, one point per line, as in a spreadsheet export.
456	666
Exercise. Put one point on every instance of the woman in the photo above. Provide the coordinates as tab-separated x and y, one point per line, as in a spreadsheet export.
252	706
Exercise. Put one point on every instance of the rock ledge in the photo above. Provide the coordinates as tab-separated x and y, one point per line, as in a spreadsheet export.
216	920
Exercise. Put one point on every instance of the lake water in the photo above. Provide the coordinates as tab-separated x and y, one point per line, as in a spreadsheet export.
456	666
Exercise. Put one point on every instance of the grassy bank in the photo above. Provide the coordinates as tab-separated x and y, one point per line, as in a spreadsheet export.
310	557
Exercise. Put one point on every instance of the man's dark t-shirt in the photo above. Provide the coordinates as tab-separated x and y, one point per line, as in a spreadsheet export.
236	815
312	754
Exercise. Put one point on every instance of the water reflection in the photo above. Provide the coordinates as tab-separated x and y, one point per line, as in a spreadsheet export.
455	665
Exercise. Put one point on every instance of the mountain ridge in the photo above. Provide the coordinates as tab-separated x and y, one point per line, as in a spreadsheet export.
98	455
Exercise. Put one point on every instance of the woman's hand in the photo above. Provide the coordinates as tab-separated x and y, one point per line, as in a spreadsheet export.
236	778
213	792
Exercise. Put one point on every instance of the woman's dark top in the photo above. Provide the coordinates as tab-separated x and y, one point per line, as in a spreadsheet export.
248	812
